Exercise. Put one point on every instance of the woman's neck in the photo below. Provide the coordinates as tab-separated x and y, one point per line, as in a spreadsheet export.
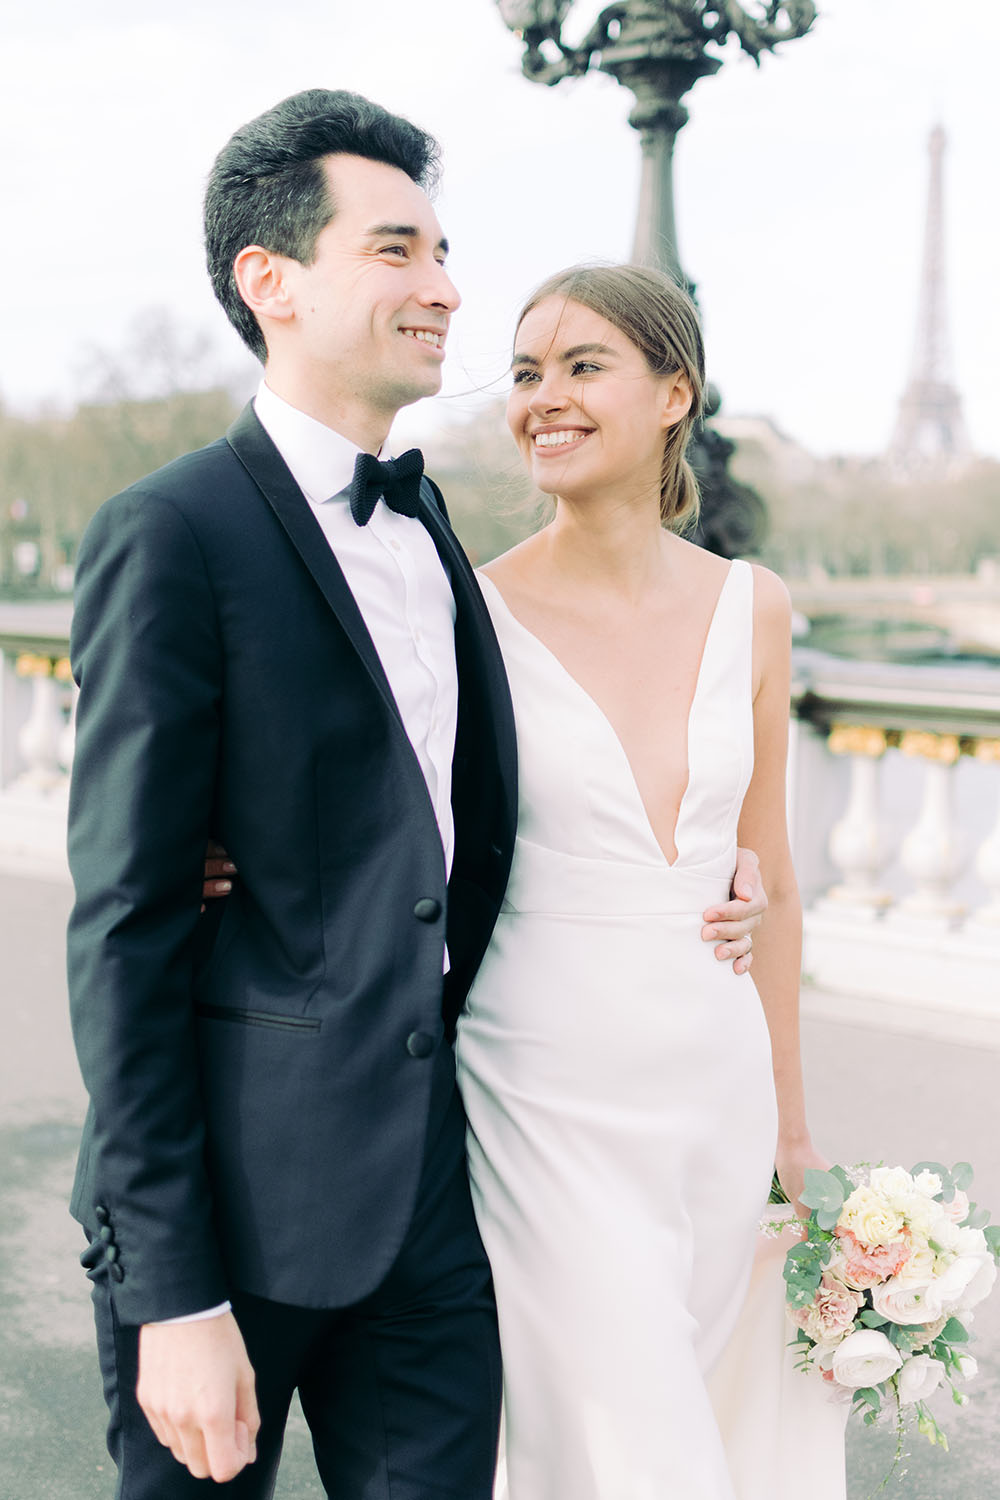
618	546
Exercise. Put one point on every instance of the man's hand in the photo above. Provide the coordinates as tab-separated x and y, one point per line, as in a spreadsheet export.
732	925
218	868
196	1387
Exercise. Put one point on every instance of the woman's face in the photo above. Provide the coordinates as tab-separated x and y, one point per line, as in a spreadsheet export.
586	411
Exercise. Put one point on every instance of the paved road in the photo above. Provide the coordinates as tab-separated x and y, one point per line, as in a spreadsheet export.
875	1093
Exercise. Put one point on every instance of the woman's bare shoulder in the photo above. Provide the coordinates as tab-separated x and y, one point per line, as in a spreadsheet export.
772	600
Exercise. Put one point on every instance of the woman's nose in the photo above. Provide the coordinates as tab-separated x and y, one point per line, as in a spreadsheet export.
548	396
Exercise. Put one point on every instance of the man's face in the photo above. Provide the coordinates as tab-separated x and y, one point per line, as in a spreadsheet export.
372	311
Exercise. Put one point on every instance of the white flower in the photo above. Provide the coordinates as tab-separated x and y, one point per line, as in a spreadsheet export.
928	1183
966	1282
870	1218
958	1208
924	1215
919	1266
971	1242
865	1358
947	1235
919	1376
968	1367
908	1302
893	1183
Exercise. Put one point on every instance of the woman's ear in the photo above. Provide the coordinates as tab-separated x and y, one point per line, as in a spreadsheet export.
677	398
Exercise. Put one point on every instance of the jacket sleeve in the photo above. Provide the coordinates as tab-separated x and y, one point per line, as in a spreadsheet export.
146	655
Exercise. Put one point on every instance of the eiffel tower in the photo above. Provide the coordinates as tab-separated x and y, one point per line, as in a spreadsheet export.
930	435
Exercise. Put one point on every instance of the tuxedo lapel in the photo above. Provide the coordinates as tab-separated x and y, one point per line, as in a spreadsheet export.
271	474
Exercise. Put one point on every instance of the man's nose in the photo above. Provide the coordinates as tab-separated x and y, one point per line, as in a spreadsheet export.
441	291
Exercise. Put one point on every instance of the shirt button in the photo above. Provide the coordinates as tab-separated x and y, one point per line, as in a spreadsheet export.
427	909
394	545
419	1044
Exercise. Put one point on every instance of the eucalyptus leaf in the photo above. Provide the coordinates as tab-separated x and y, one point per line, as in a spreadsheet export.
962	1175
955	1332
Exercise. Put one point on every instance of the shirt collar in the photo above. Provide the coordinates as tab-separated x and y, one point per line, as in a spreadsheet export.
321	460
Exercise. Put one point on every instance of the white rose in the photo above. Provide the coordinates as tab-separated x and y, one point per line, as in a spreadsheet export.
928	1183
971	1242
966	1281
870	1218
980	1286
919	1266
924	1215
968	1367
919	1376
947	1235
865	1358
893	1184
908	1302
958	1208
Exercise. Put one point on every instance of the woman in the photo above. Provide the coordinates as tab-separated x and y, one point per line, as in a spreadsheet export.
627	1096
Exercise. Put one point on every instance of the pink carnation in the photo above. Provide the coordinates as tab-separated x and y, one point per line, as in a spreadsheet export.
866	1266
831	1313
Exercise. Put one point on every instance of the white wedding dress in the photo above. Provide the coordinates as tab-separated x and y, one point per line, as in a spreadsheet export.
622	1122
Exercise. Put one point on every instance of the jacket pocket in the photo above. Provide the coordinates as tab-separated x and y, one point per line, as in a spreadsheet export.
267	1018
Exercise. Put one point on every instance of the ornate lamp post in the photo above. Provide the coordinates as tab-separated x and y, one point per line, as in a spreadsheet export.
659	50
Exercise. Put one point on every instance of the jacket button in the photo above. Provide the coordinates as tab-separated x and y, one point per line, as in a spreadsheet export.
419	1044
427	909
111	1253
101	1214
116	1271
107	1234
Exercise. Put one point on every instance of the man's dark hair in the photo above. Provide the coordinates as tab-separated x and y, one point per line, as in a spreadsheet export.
267	186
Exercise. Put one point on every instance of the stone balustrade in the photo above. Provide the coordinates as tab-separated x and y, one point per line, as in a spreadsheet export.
894	793
37	703
894	810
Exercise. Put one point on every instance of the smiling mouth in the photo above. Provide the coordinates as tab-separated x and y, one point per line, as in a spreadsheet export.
560	440
425	336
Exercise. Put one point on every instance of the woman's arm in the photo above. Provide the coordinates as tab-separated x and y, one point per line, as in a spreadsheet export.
763	827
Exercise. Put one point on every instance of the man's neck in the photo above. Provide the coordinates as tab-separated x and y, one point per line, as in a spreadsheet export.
366	428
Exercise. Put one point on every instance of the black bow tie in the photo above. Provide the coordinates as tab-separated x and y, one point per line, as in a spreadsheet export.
397	482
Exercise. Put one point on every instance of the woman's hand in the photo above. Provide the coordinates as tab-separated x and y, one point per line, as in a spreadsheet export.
791	1161
732	925
218	868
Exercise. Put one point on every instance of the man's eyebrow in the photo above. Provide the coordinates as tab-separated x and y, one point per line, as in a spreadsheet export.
403	232
568	354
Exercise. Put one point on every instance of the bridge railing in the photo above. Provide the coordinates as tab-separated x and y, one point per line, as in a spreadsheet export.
894	806
894	800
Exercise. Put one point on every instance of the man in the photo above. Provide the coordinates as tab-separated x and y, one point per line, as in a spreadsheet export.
299	664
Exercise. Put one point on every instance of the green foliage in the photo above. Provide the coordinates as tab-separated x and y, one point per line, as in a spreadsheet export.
824	1193
992	1236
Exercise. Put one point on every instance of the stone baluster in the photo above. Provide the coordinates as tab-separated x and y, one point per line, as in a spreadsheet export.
932	851
986	919
38	740
858	843
67	738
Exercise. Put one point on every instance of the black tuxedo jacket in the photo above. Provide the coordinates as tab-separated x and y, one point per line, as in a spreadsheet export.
262	1079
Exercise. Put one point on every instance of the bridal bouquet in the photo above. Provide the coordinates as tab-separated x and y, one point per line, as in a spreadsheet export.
881	1285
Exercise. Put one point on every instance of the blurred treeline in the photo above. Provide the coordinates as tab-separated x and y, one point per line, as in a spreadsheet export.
163	394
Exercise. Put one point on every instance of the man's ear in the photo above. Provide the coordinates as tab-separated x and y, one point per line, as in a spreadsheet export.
260	280
677	398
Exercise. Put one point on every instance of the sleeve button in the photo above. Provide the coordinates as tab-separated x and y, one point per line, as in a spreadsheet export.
427	909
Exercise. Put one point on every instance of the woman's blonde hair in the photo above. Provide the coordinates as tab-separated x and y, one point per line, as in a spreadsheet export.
660	319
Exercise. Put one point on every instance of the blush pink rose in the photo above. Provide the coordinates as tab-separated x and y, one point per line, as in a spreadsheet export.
865	1266
831	1313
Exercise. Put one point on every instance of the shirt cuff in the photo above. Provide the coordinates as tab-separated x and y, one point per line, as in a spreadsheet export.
198	1317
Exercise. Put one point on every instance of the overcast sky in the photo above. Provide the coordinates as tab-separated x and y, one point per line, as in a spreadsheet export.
801	187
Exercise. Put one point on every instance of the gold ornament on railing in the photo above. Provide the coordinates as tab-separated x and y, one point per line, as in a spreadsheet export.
987	750
30	665
944	749
62	671
857	739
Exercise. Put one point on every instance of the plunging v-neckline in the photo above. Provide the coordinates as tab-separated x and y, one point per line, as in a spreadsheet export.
605	720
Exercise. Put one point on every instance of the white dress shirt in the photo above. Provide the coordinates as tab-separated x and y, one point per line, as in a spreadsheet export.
394	572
